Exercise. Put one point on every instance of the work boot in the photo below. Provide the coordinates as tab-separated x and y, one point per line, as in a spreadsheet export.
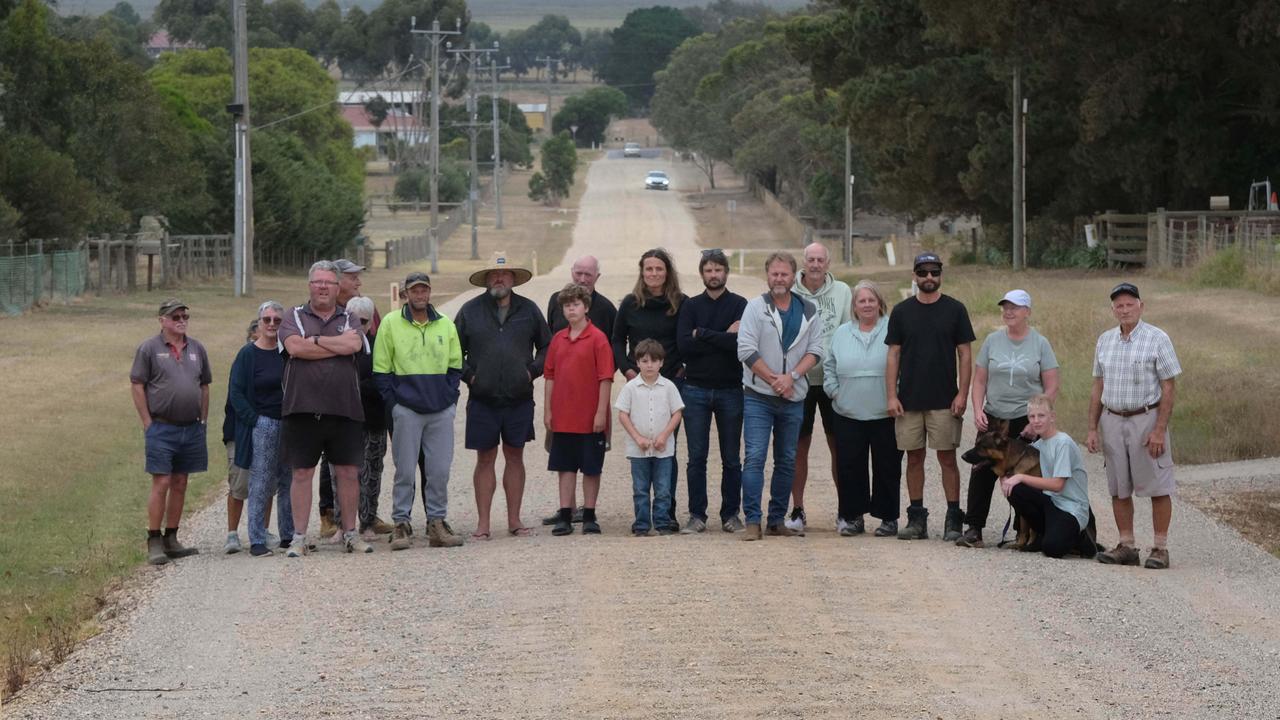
155	551
554	517
402	537
953	527
751	532
328	524
175	549
972	538
1119	555
439	534
382	527
783	530
917	524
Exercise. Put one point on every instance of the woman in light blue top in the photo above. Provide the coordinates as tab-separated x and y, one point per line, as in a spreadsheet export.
853	377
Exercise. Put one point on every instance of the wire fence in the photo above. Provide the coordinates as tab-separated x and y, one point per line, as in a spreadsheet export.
31	273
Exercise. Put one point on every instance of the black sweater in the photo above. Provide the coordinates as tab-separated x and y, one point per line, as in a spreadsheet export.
602	313
636	323
710	358
500	360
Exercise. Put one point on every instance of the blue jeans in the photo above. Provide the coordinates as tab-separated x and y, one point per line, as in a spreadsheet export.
700	405
761	418
651	473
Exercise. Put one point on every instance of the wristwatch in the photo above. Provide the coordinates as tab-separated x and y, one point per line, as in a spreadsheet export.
794	375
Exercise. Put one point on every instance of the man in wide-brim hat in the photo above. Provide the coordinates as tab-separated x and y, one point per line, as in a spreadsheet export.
504	339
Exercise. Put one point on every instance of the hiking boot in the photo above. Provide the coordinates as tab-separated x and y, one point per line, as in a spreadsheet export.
694	526
917	524
554	517
354	544
382	527
1119	555
954	525
972	538
784	530
439	534
1157	559
328	524
563	527
232	546
732	525
888	528
401	537
751	532
796	520
155	551
858	526
175	549
591	527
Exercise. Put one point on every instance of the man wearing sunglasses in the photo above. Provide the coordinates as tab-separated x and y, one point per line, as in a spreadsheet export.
929	338
170	382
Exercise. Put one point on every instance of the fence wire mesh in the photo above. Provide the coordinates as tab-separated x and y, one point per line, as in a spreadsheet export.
29	275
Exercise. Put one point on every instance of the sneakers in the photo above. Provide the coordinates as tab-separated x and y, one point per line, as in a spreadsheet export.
401	537
1121	555
842	527
354	544
328	524
439	534
732	525
260	550
796	520
954	525
751	532
694	526
298	546
272	540
175	549
972	538
155	551
382	527
917	524
1157	559
232	546
784	530
888	528
554	517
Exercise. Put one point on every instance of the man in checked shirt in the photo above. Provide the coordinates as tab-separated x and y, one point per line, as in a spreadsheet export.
1134	367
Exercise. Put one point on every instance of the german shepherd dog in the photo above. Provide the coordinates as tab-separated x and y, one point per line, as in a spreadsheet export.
1012	455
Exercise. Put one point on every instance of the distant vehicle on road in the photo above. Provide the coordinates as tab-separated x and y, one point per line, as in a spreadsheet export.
657	180
631	150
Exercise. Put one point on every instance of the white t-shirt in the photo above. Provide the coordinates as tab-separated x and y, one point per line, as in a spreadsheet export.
650	408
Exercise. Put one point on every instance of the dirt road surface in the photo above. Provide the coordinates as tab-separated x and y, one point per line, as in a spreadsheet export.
685	626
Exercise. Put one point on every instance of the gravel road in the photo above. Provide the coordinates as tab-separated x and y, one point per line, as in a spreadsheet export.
702	626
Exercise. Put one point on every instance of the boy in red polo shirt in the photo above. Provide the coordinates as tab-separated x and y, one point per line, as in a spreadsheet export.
579	376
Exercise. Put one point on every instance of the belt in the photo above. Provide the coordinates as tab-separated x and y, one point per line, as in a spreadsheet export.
1131	413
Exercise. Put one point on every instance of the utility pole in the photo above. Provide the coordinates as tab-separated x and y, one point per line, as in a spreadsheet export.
472	56
1019	192
497	141
435	36
548	61
848	198
242	245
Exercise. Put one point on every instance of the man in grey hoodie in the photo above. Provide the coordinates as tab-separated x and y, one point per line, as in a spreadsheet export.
834	301
779	340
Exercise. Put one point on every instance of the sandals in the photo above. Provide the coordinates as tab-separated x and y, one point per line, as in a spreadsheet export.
522	531
479	536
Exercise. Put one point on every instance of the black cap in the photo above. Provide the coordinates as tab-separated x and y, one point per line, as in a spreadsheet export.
416	278
927	258
1125	288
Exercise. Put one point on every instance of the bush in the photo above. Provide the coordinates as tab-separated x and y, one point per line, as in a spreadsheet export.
1225	269
415	185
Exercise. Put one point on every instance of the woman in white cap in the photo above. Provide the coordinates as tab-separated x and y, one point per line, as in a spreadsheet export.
1014	364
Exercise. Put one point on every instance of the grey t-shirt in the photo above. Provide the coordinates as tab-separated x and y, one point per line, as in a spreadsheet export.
1013	371
1060	458
172	378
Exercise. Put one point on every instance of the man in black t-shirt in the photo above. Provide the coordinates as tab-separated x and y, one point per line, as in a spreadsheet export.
929	338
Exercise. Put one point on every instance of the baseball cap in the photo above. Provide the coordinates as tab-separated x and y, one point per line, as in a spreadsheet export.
168	306
1017	297
416	278
927	259
345	266
1125	288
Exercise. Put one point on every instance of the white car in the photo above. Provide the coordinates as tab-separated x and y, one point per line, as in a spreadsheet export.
657	180
631	150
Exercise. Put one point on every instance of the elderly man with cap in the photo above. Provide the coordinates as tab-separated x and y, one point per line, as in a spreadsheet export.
417	363
1134	368
929	337
504	340
170	384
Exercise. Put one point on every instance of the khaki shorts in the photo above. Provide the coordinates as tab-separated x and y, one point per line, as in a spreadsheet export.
940	427
1130	468
237	477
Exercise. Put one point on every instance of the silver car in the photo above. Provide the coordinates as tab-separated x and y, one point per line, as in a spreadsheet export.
631	150
657	180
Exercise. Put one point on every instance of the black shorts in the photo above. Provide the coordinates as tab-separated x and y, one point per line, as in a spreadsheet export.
487	425
576	452
304	437
817	401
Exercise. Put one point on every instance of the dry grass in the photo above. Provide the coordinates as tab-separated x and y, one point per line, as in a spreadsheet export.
1254	513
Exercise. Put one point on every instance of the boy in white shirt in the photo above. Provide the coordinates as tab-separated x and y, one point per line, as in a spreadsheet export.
649	408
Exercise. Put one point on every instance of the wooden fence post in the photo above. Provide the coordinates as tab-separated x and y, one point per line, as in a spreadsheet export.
131	263
104	265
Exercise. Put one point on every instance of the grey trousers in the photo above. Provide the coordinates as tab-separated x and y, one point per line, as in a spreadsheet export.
432	433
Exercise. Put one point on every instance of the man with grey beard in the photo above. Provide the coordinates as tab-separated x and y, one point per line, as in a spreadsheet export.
504	341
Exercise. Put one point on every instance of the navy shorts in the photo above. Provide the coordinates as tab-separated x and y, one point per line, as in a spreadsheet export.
577	452
487	424
304	437
817	402
176	449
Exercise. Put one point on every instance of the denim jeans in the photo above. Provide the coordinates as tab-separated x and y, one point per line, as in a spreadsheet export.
269	476
763	417
651	473
700	406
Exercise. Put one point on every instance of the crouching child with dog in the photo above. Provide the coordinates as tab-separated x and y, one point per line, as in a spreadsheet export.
1056	506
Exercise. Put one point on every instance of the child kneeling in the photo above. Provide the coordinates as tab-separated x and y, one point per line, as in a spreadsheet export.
649	408
1056	505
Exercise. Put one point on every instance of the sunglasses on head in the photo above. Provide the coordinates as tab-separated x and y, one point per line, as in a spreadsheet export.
712	251
928	273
